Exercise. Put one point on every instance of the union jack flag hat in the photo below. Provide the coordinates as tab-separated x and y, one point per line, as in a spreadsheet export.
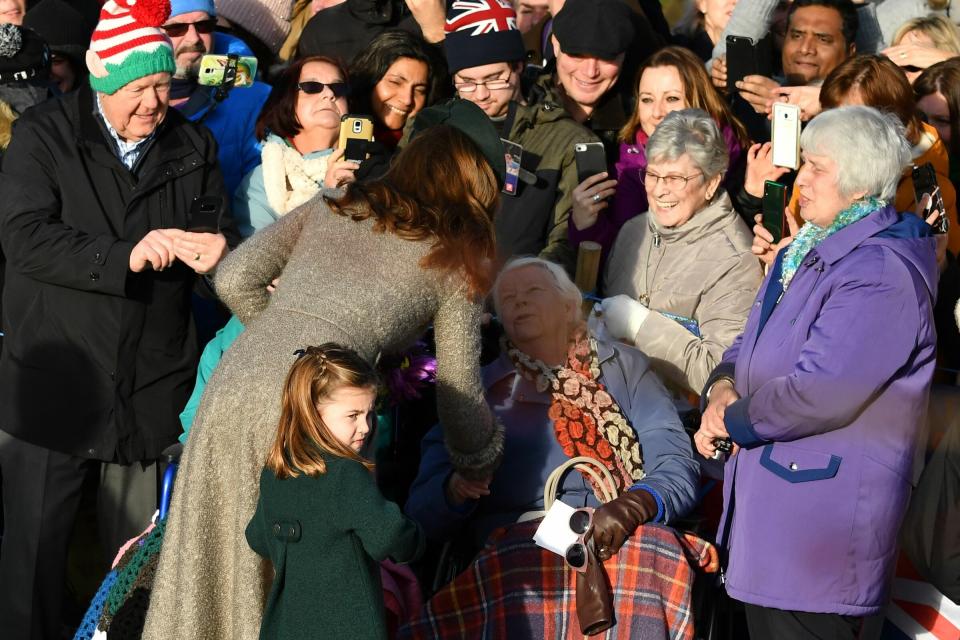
480	32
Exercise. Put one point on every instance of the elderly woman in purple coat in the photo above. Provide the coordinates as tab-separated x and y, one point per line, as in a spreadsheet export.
824	393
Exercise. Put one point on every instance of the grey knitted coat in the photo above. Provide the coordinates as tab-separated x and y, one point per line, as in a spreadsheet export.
339	281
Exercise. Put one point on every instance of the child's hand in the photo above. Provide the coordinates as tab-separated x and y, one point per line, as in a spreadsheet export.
459	489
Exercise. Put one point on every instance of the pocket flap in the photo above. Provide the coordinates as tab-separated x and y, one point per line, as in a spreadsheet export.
794	464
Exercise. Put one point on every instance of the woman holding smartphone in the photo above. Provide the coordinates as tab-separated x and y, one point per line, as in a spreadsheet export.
299	127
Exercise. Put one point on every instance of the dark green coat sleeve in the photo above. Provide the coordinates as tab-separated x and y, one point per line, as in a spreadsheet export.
379	524
256	532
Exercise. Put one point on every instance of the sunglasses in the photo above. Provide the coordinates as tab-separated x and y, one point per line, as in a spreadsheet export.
178	29
339	89
576	554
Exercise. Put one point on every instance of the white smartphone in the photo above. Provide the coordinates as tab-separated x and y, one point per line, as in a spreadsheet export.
785	135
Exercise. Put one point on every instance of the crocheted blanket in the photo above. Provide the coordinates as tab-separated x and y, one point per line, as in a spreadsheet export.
516	589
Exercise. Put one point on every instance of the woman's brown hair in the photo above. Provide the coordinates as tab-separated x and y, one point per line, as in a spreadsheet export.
881	85
943	78
697	89
439	186
279	113
302	437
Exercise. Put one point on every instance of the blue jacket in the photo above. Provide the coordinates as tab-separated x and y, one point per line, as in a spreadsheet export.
834	381
531	450
233	121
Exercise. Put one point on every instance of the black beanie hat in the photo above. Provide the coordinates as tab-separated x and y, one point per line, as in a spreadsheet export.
480	32
23	54
471	120
599	28
66	30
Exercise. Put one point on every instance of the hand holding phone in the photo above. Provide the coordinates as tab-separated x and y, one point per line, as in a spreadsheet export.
925	183
213	70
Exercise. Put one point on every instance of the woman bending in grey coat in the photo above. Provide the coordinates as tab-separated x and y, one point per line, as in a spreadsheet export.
369	270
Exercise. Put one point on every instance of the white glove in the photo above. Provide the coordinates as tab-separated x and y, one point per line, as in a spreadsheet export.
623	317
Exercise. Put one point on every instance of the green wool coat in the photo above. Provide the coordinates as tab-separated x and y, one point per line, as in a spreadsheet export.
325	536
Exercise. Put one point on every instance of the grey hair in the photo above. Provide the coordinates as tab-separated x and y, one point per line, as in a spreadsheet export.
869	146
564	284
694	132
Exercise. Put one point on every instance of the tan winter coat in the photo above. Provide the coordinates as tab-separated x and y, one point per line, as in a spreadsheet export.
339	282
702	270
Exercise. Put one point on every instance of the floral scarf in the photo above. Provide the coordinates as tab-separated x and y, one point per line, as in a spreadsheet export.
811	235
586	419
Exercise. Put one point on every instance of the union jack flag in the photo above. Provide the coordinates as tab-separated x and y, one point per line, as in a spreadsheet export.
481	16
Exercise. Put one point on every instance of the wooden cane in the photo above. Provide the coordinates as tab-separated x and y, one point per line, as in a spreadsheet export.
588	269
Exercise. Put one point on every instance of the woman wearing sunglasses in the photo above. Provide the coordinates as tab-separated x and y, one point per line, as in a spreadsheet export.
299	127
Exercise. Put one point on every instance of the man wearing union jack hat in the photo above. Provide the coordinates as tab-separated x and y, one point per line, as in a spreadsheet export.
100	347
485	55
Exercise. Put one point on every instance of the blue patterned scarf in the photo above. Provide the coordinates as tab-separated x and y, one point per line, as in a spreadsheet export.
811	235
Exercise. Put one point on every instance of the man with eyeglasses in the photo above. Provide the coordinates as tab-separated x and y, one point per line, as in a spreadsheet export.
485	55
191	28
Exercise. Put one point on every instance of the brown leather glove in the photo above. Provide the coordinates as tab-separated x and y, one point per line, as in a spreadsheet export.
616	520
594	600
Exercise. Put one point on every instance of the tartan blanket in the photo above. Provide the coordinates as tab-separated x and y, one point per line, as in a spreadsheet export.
515	589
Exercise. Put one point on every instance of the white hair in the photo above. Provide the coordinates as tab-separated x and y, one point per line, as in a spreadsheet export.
869	146
692	132
561	280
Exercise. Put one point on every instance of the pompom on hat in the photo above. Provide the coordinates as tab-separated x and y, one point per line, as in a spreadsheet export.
23	54
128	44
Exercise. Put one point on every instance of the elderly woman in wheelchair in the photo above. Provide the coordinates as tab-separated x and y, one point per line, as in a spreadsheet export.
561	393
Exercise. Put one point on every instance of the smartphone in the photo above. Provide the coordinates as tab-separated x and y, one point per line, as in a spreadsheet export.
924	182
591	159
774	204
785	135
213	68
746	58
355	132
204	215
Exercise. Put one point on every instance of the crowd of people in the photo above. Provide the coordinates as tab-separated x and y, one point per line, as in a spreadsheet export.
340	250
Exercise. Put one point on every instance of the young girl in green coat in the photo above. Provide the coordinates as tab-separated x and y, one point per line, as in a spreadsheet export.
320	518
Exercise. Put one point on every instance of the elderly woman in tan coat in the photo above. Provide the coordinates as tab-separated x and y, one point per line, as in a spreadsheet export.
682	277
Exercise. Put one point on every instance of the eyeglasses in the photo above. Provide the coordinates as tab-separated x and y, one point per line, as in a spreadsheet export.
677	183
339	89
491	85
178	29
576	554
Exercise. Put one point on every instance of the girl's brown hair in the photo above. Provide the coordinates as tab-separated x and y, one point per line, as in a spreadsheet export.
697	89
438	187
881	84
279	113
944	78
302	437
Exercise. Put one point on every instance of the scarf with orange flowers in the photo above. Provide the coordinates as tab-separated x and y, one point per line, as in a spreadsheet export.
586	420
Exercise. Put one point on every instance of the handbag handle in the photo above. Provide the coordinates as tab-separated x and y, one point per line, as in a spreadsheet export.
603	481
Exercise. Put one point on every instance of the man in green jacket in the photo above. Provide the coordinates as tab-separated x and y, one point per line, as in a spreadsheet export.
485	55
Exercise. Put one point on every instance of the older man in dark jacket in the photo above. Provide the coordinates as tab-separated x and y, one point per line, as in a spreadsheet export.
100	347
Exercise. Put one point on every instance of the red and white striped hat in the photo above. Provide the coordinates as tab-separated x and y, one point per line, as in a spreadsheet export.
128	43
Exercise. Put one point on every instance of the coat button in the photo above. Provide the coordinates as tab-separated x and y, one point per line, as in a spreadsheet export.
97	257
793	466
276	529
94	276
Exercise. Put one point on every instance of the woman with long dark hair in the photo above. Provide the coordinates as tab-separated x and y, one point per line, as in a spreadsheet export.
369	269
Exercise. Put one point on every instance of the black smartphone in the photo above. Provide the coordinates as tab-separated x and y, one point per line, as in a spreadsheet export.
925	182
774	203
591	159
746	58
204	215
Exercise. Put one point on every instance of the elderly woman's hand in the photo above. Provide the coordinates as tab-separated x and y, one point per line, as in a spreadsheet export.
590	198
760	168
712	427
805	97
915	55
339	171
718	73
763	246
623	316
615	521
459	489
931	219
